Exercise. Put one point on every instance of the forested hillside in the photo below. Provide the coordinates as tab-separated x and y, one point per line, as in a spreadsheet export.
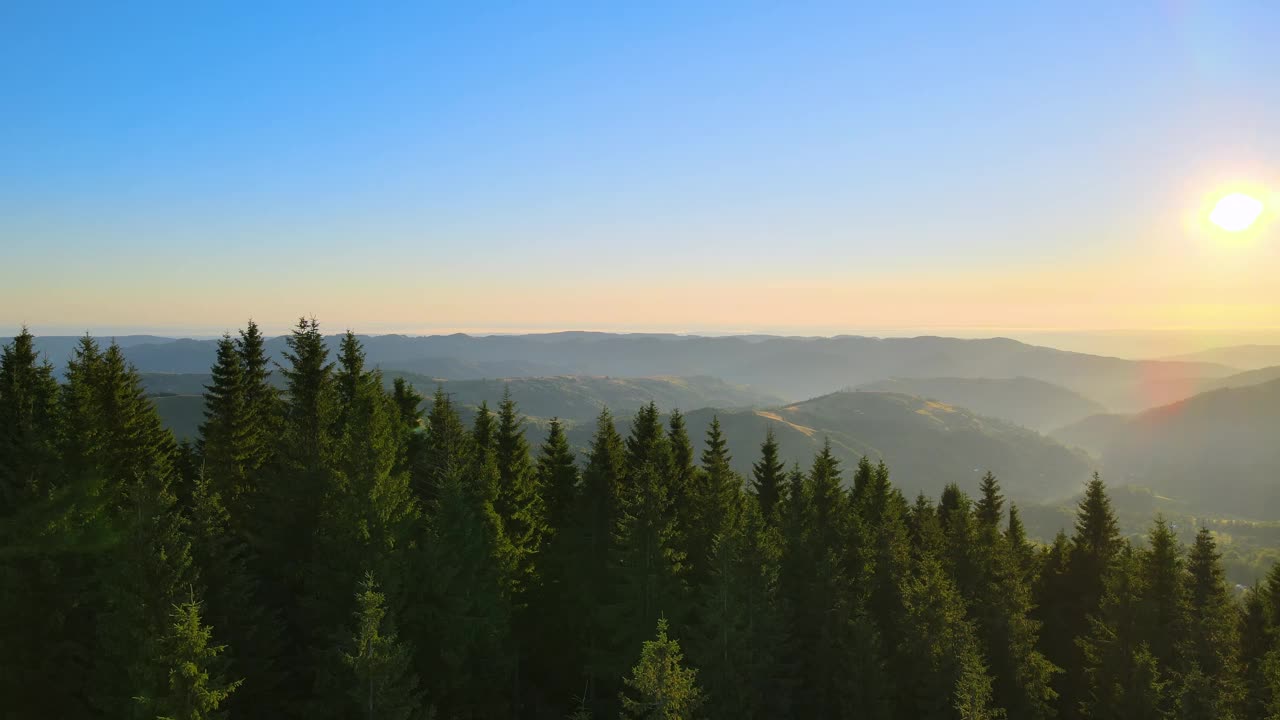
1032	403
326	550
1216	451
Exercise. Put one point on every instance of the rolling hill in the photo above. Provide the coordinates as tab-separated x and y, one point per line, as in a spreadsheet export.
926	444
1245	357
789	367
1032	403
1216	451
575	399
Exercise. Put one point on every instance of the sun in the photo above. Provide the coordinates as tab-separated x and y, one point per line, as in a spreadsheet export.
1236	212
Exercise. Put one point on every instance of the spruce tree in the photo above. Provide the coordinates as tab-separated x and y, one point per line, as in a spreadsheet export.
594	576
713	502
151	570
460	624
991	503
740	630
938	673
231	605
519	500
262	401
768	477
225	432
302	479
447	449
197	686
1255	644
558	478
553	617
1093	549
39	581
382	683
1212	643
659	686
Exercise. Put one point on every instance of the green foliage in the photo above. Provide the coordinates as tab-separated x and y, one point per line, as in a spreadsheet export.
383	685
196	687
510	585
659	686
768	477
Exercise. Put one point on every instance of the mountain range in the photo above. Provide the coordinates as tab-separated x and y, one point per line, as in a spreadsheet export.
790	367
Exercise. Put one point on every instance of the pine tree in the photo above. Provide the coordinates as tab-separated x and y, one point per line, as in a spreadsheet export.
660	687
768	477
383	685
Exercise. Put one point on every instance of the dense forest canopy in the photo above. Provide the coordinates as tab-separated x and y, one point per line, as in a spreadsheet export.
327	549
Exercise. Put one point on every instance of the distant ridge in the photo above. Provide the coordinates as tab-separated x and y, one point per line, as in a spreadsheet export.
787	367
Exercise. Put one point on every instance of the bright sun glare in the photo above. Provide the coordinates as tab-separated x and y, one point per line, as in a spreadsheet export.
1236	212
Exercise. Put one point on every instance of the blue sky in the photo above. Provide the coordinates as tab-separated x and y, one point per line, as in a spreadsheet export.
655	166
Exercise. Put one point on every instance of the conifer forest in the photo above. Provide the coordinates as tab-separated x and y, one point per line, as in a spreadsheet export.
335	546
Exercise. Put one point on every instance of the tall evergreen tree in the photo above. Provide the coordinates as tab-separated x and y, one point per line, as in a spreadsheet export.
519	501
553	615
713	502
226	430
40	582
768	477
595	580
460	627
262	400
448	448
231	593
1255	645
991	503
196	687
740	630
151	569
660	687
1213	688
1065	611
383	684
558	478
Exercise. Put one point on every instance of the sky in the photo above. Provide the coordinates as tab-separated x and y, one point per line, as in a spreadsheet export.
808	168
